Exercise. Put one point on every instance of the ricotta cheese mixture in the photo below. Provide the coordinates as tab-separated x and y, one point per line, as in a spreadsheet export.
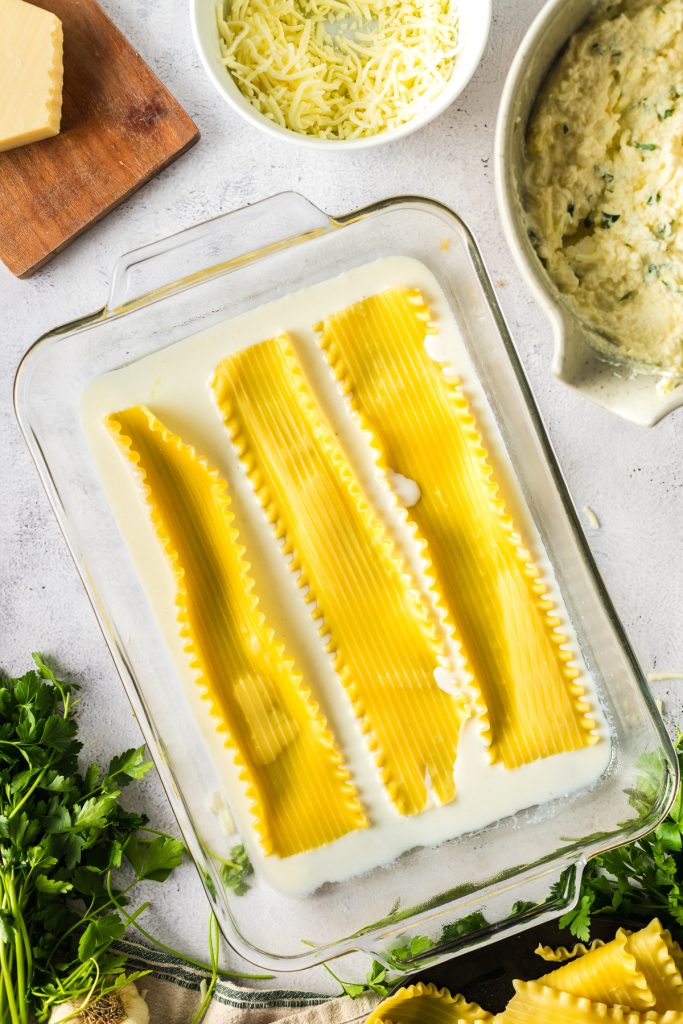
604	178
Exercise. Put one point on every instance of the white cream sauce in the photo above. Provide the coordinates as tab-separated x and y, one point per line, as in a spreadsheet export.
174	382
406	490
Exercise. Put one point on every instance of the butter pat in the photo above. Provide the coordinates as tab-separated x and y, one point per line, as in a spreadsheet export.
31	72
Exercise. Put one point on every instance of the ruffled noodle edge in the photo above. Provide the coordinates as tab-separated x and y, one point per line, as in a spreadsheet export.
463	1012
303	582
532	997
537	587
560	954
275	648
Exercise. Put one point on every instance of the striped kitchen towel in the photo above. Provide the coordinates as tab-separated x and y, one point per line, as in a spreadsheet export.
173	991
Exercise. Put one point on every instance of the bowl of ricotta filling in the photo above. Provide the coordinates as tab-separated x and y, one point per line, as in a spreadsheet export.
589	175
341	74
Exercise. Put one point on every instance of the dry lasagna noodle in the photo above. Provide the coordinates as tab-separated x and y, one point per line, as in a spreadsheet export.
560	954
631	980
368	609
659	959
534	1002
609	974
637	970
427	1004
299	790
492	597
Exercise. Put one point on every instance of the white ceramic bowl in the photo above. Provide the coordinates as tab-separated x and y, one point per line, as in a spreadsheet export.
582	360
475	20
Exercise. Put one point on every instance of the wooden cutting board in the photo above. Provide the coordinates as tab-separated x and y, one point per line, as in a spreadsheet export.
120	126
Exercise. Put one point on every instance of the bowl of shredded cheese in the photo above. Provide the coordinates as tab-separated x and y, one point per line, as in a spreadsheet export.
342	73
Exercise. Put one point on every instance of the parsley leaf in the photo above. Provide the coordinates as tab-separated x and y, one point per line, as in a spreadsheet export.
236	870
154	859
608	219
643	878
578	919
62	835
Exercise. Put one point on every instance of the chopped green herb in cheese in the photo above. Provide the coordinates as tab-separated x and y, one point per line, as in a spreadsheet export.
617	259
339	69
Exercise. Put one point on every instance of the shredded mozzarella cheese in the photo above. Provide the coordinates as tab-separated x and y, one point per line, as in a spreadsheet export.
339	69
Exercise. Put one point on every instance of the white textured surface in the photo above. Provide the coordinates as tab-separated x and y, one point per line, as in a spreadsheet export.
632	478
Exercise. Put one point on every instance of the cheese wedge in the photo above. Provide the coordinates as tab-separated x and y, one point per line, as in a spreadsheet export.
31	72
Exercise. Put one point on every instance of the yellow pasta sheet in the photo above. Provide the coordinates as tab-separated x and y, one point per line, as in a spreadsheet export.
356	582
535	1003
658	957
560	954
427	1004
493	598
633	979
609	974
299	790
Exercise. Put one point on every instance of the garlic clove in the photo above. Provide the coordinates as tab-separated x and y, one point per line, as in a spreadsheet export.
125	1006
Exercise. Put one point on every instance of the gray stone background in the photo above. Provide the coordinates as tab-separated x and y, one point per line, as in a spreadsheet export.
631	477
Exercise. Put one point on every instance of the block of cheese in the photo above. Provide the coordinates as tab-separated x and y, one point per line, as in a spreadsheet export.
31	71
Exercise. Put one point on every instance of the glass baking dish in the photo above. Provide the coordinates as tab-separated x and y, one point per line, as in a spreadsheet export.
516	872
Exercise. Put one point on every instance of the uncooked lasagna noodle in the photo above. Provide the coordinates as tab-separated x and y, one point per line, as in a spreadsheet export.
638	969
534	1002
357	585
493	599
298	788
427	1004
630	980
657	956
610	974
560	954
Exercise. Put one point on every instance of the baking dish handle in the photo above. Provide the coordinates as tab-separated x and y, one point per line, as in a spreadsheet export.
211	248
500	910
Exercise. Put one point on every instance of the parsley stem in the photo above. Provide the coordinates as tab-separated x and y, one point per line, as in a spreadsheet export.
169	949
21	943
8	984
27	794
336	977
214	940
216	856
80	921
15	964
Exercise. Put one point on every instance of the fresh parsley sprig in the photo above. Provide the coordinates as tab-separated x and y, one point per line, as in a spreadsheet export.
70	856
63	837
401	958
236	870
642	879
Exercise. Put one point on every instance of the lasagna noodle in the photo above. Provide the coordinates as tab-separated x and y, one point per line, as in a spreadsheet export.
656	955
610	974
534	1002
357	585
299	790
427	1004
636	969
560	954
493	599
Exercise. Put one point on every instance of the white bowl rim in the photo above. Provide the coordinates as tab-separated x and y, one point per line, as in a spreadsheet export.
233	97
